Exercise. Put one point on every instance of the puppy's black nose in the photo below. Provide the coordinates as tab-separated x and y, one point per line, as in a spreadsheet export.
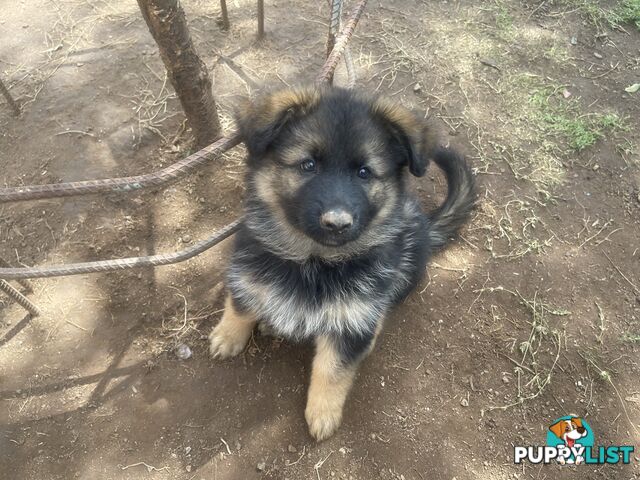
336	220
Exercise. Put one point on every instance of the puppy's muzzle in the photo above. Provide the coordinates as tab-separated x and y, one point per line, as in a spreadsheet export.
336	220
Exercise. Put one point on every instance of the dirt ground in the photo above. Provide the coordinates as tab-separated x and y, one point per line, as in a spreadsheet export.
533	314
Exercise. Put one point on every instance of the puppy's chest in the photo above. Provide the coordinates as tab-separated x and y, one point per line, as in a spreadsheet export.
306	300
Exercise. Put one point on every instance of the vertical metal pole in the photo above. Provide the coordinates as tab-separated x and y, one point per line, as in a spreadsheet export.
225	14
260	19
12	103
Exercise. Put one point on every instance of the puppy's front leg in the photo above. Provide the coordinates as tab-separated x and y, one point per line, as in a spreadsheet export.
231	335
334	368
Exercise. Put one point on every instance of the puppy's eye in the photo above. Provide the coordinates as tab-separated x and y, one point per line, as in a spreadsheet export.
364	173
308	165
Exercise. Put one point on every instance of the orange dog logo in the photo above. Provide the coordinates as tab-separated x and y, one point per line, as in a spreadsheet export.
569	431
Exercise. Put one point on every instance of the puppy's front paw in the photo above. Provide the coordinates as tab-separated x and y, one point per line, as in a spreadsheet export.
226	341
323	419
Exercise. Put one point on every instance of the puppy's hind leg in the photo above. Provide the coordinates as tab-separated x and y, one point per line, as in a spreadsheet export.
334	368
230	336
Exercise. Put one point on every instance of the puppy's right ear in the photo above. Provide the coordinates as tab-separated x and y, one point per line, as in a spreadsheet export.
417	138
261	121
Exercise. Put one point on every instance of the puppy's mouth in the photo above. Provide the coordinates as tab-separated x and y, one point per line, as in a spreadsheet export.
335	239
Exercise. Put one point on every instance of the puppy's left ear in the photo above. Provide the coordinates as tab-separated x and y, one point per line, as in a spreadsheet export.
415	136
261	121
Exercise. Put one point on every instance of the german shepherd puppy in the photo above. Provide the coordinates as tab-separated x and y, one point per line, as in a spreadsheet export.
331	238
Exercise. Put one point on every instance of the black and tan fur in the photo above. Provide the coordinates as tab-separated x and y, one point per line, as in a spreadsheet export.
332	239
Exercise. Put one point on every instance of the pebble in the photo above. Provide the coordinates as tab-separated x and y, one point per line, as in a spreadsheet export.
261	466
183	352
186	239
464	402
292	449
188	468
505	379
574	41
597	55
596	167
417	88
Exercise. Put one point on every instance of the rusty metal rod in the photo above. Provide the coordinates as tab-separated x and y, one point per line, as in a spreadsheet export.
121	263
123	184
334	27
19	298
7	95
341	43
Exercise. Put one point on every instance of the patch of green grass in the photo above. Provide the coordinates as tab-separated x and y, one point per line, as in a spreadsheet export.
554	114
624	12
631	337
557	54
628	11
614	122
504	21
579	133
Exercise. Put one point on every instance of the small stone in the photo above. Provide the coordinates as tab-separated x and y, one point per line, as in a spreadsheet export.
261	466
292	449
505	379
372	436
183	352
574	40
186	239
188	468
417	88
464	402
597	55
596	167
187	450
343	450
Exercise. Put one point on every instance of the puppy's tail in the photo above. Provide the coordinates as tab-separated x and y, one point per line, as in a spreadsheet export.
461	197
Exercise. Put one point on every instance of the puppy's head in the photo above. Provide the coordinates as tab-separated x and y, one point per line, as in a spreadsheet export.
330	162
569	430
